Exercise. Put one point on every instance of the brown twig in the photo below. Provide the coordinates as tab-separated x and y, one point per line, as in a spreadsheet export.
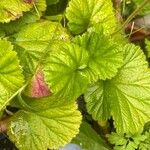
138	33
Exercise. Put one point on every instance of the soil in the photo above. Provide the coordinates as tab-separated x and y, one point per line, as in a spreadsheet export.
5	143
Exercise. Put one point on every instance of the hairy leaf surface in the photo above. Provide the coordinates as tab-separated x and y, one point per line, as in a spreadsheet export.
72	67
28	17
65	71
128	93
41	129
105	55
97	105
33	43
11	78
126	141
83	14
13	9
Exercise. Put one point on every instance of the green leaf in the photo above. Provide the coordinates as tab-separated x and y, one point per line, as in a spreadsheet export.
105	55
88	139
51	128
65	71
145	10
83	14
126	141
40	5
11	78
71	68
33	42
13	9
117	139
127	94
29	17
97	105
16	25
145	145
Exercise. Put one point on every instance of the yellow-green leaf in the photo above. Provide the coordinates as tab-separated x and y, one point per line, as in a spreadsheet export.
11	78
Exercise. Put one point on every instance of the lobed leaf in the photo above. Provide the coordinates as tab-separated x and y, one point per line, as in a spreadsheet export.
28	17
51	128
11	78
83	14
105	55
13	9
126	141
127	94
33	43
65	71
71	67
97	104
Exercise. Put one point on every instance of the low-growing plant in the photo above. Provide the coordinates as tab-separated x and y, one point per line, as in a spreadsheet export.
57	54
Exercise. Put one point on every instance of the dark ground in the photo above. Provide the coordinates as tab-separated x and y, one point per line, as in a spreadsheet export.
5	143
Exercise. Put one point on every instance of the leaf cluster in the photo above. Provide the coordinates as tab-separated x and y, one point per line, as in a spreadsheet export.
51	53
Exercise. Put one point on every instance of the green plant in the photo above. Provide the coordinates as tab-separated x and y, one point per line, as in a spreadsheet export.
127	141
48	59
139	141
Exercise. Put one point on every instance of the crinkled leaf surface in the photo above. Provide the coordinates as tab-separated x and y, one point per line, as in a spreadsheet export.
128	93
126	141
38	87
33	43
28	17
40	5
51	127
65	71
145	145
88	139
14	26
105	55
97	105
13	9
69	69
11	78
85	13
117	139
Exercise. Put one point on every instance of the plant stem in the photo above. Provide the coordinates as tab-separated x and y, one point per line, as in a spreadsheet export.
132	15
135	12
105	127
